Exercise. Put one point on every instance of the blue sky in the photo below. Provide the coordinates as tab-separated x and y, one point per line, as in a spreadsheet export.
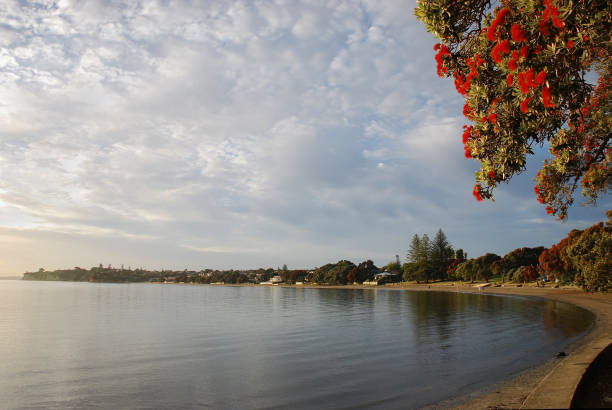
193	134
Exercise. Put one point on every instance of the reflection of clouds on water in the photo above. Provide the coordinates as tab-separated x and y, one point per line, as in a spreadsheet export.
144	345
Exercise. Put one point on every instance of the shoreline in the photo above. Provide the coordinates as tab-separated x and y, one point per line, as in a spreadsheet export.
548	385
553	383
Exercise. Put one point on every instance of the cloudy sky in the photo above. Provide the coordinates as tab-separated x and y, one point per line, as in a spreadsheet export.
193	134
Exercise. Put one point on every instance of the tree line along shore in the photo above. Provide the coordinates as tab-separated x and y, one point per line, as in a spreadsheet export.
582	258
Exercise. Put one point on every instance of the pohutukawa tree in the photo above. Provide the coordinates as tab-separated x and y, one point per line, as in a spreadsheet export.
523	68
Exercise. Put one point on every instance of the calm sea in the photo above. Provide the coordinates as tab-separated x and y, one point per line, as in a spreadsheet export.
145	346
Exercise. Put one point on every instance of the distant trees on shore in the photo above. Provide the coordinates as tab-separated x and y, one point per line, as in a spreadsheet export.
583	257
428	259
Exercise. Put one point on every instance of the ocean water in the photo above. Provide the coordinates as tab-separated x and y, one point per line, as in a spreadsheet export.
149	346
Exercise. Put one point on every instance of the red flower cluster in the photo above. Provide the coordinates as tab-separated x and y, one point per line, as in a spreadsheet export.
538	192
550	13
518	34
513	63
525	105
467	133
466	136
510	79
594	102
570	44
476	193
524	51
500	49
443	51
462	84
492	174
493	118
528	80
499	19
541	77
546	98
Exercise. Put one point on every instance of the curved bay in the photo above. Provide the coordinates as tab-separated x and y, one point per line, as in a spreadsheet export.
80	345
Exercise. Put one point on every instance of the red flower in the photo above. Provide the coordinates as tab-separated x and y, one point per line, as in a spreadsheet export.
550	13
493	118
570	44
467	109
443	52
476	193
557	22
436	46
483	119
512	65
468	153
541	77
518	34
546	98
499	19
525	105
544	28
524	51
467	134
492	174
499	50
510	78
526	81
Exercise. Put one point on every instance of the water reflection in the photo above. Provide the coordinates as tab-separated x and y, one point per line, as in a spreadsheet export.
154	346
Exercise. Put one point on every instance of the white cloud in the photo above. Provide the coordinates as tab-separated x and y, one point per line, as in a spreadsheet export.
313	128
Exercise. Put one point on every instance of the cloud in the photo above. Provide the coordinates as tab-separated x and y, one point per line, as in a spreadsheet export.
248	132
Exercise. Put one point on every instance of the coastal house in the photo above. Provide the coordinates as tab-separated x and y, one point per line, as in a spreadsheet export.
275	280
386	277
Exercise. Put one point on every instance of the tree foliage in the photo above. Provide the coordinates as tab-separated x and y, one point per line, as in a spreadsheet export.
554	262
523	273
428	259
478	268
362	272
583	257
523	68
332	273
516	259
592	255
